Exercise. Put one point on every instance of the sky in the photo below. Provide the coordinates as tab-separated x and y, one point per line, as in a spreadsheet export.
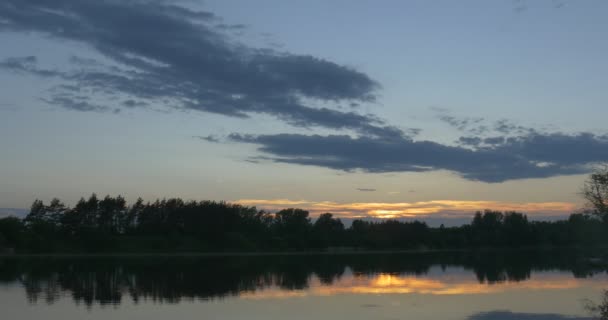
369	109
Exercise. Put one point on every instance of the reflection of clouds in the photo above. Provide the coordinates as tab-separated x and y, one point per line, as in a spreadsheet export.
447	208
386	283
272	294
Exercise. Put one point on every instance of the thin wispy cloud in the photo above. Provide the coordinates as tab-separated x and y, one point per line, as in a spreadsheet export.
209	138
480	128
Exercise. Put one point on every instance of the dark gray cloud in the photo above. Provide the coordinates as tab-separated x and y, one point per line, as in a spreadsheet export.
231	27
531	156
479	126
209	138
507	315
130	103
468	124
366	189
494	140
163	54
26	65
185	59
470	141
507	127
78	103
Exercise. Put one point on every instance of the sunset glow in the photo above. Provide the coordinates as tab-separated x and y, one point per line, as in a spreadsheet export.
437	208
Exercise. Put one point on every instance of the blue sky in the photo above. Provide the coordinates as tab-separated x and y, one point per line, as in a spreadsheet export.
422	107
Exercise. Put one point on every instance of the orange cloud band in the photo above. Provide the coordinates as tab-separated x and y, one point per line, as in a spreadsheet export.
436	208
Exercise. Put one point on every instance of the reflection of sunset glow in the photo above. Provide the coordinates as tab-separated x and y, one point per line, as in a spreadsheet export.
396	284
446	208
394	281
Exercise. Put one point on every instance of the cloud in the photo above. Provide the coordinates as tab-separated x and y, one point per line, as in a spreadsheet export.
494	140
130	103
26	65
446	209
209	138
470	141
507	315
558	148
366	189
530	156
480	127
157	53
184	58
506	127
464	124
231	27
78	103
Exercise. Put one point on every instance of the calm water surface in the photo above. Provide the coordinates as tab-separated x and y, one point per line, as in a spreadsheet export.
478	286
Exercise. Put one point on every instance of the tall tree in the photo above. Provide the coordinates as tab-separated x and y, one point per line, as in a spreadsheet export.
595	191
11	231
55	211
293	226
327	230
36	214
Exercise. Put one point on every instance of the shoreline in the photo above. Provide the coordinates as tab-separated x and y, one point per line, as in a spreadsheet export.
286	253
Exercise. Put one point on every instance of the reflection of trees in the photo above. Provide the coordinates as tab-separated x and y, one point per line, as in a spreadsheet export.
600	309
173	279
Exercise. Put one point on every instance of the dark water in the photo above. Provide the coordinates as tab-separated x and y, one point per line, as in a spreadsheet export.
498	285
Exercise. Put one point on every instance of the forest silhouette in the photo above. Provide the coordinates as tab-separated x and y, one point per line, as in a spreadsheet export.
175	225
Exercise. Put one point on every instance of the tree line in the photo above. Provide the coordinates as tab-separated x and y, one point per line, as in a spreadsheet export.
109	224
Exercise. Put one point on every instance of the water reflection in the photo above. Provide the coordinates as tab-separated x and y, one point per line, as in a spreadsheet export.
450	284
110	280
506	315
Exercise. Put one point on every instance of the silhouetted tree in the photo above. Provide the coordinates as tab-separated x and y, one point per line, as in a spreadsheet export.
292	226
328	231
129	222
486	228
111	211
516	229
54	212
173	224
600	309
37	213
11	232
595	191
585	229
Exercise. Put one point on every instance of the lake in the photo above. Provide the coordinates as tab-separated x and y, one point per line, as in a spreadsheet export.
503	285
